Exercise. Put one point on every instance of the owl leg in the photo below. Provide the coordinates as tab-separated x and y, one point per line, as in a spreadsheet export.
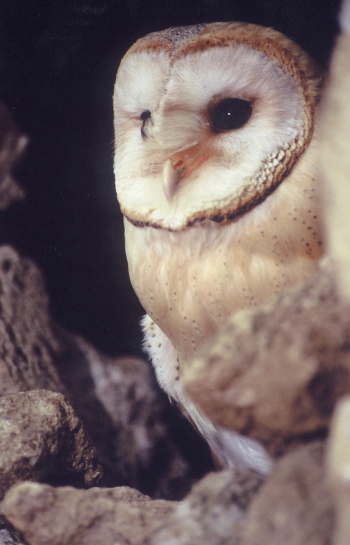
229	448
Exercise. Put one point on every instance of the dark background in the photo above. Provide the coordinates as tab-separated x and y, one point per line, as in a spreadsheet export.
58	61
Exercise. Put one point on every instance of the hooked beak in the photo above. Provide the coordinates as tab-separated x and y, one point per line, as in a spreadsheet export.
171	177
180	165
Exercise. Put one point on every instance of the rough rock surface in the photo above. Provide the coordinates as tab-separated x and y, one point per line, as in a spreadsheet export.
41	439
66	516
293	506
8	538
27	341
214	512
338	466
276	373
335	157
125	414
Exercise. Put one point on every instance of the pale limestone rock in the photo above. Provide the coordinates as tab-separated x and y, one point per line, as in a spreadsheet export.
67	516
335	156
338	458
42	439
27	341
293	507
214	512
276	373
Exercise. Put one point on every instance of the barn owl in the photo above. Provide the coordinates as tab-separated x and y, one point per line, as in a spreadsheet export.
215	175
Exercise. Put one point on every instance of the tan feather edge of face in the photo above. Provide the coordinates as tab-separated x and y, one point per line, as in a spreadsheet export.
290	58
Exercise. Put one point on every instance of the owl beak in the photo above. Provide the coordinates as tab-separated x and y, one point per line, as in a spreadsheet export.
171	177
181	165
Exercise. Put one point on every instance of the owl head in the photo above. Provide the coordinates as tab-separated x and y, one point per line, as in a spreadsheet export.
209	121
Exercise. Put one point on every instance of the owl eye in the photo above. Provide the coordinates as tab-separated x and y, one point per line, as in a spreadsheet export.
229	114
146	114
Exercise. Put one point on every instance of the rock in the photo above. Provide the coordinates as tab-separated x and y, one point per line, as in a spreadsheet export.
127	391
119	404
12	146
276	373
66	516
214	512
128	420
293	507
27	340
335	156
42	439
8	538
338	465
231	507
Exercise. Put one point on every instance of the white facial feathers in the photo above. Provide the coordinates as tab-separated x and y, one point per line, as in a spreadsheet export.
178	93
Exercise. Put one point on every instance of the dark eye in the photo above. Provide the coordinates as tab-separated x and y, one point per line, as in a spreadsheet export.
146	114
229	114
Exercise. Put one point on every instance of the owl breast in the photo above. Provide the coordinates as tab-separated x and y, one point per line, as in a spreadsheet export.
190	281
